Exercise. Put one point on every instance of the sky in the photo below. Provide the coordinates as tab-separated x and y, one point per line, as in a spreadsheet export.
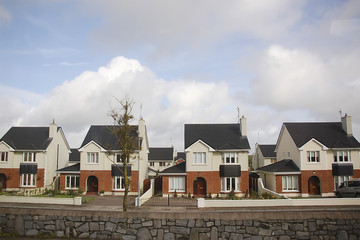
181	62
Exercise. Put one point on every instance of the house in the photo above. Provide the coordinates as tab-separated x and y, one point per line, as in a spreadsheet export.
160	158
216	161
313	158
264	155
30	156
100	167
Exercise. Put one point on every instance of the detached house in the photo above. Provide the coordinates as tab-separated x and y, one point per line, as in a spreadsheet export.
160	158
30	156
100	167
216	161
313	158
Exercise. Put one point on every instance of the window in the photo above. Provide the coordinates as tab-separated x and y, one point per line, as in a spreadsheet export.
200	158
229	158
118	158
72	181
93	158
119	183
229	183
29	157
313	156
161	164
341	156
177	184
28	180
3	156
152	164
338	180
290	183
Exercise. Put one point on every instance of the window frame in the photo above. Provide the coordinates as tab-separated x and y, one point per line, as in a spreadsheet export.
316	156
26	156
228	182
121	180
343	156
69	179
28	180
202	158
177	183
88	158
4	156
230	155
152	164
292	185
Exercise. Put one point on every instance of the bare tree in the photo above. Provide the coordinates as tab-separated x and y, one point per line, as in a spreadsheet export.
126	141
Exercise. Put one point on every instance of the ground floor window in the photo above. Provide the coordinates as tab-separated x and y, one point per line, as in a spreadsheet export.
290	183
177	184
230	183
119	183
72	181
28	180
338	180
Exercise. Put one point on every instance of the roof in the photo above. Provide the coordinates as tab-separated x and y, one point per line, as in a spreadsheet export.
176	169
163	154
74	155
27	138
217	136
102	135
180	155
286	165
72	168
330	134
268	151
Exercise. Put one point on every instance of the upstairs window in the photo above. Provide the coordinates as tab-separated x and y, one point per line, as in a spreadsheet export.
199	158
29	157
162	164
229	158
341	156
93	158
3	156
118	158
152	164
313	156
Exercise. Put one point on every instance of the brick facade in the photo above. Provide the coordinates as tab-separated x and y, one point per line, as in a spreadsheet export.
105	180
13	178
326	180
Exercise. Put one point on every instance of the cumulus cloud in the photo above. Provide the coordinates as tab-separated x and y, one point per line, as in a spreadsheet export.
166	105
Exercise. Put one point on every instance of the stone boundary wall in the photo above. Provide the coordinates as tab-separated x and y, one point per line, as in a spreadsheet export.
125	227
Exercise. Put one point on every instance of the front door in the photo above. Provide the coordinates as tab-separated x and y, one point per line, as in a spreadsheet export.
200	186
92	185
314	186
2	182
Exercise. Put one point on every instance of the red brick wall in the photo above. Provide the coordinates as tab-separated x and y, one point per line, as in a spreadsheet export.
356	173
326	180
105	180
244	181
212	178
13	177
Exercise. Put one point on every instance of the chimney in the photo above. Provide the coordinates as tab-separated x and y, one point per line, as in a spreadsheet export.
52	129
243	127
141	127
347	124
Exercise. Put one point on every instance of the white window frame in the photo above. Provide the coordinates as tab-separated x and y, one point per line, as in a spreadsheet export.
340	156
338	180
290	183
92	158
227	184
313	154
28	180
152	164
230	158
199	158
72	181
118	183
4	156
29	157
177	184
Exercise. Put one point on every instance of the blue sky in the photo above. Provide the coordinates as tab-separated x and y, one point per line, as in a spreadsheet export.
183	61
